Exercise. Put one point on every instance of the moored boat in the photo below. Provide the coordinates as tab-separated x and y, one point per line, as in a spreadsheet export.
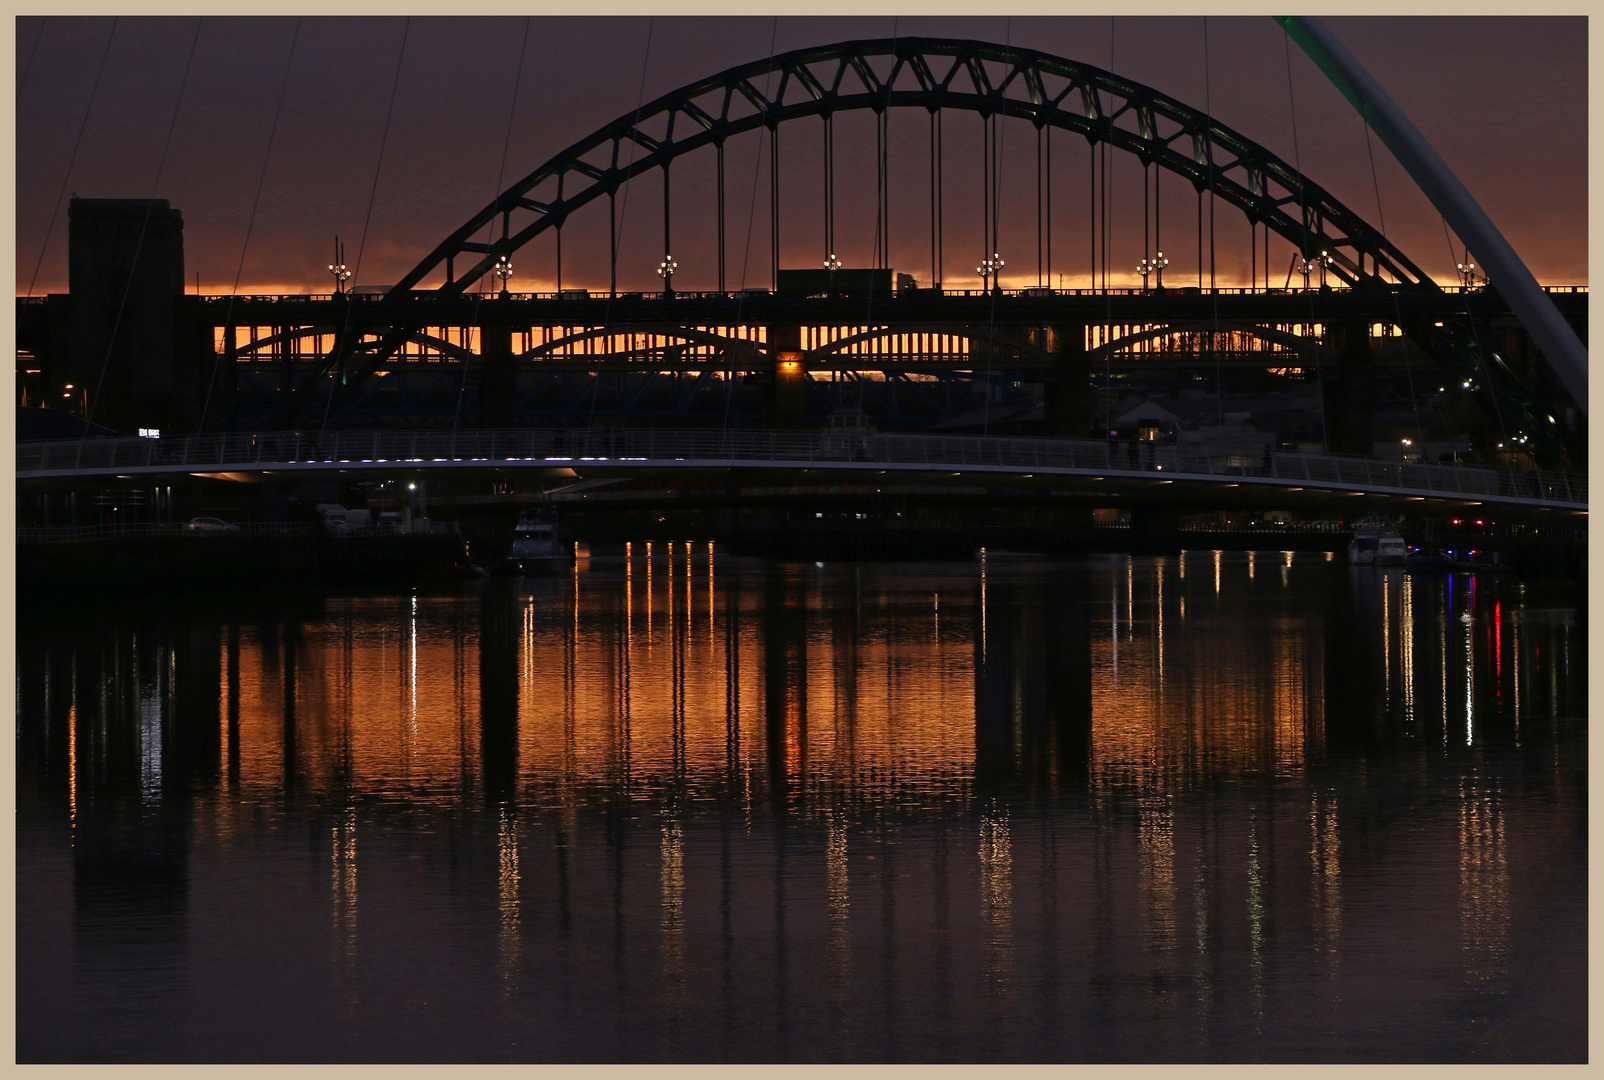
1377	545
535	548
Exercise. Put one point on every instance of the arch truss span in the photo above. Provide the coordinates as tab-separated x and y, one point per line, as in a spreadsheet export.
746	349
367	341
991	337
1298	345
932	74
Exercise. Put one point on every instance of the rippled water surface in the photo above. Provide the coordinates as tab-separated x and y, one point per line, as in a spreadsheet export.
695	807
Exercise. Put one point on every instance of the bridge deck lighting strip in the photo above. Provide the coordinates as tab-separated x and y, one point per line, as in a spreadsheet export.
1085	461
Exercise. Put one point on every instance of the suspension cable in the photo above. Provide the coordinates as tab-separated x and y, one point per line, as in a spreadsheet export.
501	169
1147	247
1200	238
72	159
27	66
1303	206
1109	191
1475	334
774	206
757	162
731	390
615	224
1108	301
885	163
829	187
985	196
718	148
1091	215
879	252
616	230
378	165
250	223
996	245
1214	291
668	246
150	205
935	198
1049	201
1381	214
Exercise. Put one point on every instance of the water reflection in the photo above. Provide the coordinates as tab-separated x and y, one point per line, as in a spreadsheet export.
509	881
997	896
838	952
1483	881
1325	859
672	856
1156	838
676	807
343	894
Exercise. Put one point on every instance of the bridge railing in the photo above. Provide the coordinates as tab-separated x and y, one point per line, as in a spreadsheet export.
426	295
137	529
564	446
38	534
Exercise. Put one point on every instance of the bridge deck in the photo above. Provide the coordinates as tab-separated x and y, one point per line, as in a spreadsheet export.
761	307
683	450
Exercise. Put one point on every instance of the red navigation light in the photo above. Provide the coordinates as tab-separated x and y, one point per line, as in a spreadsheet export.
1478	521
1456	521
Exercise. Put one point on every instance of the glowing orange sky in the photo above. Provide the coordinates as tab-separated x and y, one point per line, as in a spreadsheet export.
1503	100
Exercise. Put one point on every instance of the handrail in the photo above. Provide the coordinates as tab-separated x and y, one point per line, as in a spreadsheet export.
571	446
570	295
131	529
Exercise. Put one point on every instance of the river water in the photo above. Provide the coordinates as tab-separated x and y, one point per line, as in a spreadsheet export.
690	806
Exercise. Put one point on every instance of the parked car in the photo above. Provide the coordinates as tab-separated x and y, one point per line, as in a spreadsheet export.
211	524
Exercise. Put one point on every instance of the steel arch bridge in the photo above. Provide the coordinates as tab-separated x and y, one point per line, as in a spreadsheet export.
940	75
933	74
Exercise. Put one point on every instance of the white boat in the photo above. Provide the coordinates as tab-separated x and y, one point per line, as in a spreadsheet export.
1377	545
535	548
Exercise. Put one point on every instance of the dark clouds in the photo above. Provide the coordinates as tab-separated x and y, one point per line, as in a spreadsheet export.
1503	100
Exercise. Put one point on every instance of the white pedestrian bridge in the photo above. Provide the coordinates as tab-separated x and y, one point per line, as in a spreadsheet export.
1149	468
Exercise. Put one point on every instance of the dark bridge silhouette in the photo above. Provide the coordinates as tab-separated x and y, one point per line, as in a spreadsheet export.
1196	471
430	352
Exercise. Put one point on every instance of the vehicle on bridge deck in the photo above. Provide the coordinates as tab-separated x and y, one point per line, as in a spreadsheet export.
1377	545
535	548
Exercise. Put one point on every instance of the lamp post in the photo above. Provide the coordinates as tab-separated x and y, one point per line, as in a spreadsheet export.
665	270
337	268
1467	273
1155	265
989	269
503	271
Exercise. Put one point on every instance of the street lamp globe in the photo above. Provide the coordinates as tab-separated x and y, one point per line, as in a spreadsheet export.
989	270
